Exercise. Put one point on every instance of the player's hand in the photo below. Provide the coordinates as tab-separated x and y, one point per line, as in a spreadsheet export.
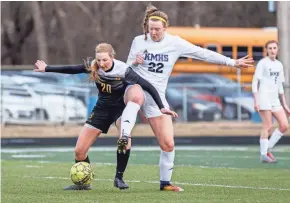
40	66
139	59
169	112
257	107
244	62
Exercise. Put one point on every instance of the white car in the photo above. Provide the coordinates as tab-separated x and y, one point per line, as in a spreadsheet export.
50	106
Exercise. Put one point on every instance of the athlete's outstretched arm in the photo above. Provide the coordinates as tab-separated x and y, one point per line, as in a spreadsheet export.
189	50
41	66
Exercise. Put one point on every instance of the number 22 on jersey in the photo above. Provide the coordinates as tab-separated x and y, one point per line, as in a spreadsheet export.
155	67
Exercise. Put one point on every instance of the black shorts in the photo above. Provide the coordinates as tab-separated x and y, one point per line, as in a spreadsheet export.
102	117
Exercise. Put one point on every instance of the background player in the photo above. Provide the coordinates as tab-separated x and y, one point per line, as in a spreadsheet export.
267	86
153	56
111	79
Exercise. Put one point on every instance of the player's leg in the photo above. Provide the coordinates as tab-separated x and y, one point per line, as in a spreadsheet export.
266	116
163	129
282	120
122	161
98	122
86	138
134	98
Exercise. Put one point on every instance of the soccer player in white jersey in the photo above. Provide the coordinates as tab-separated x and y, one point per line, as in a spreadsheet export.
153	55
269	77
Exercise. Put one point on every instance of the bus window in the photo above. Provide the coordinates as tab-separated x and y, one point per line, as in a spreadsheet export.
199	45
212	47
242	51
257	53
227	51
182	58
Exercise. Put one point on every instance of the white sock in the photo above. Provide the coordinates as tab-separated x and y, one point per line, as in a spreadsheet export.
275	137
263	146
166	164
128	118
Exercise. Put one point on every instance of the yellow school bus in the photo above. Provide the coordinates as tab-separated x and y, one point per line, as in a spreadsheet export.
231	42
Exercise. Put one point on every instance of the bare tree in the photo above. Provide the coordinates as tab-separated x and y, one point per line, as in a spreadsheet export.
67	32
61	17
15	30
40	30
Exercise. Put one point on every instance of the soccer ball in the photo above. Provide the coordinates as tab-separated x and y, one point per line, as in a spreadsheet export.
81	173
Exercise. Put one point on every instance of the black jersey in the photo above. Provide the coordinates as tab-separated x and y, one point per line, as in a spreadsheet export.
113	82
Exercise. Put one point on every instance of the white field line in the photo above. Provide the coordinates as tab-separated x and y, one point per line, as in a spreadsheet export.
148	148
178	183
110	149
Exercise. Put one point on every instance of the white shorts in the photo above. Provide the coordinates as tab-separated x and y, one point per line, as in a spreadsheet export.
268	103
149	107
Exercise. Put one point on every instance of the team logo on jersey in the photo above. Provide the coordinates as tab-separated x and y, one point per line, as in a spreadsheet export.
276	74
155	57
118	78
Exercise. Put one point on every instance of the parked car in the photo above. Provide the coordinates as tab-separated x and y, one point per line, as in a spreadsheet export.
14	107
204	95
72	83
48	105
197	109
222	87
40	80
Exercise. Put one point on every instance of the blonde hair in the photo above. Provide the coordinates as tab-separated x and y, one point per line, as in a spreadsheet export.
93	66
155	14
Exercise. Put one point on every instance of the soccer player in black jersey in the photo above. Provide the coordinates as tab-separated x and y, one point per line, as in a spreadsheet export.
111	77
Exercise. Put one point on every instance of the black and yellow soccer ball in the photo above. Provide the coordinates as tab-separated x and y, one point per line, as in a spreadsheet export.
81	173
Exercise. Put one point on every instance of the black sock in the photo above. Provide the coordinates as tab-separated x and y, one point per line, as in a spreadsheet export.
122	160
86	160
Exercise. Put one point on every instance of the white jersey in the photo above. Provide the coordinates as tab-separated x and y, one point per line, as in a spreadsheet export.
117	71
270	75
160	57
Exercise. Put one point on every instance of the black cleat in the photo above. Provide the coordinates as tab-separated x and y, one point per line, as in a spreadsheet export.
78	187
122	143
119	183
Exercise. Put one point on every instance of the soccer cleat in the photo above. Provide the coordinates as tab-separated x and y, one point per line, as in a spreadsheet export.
122	143
171	188
271	156
266	159
119	183
78	187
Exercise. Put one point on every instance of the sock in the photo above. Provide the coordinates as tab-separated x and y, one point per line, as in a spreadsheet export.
263	146
275	137
166	164
128	118
122	160
86	160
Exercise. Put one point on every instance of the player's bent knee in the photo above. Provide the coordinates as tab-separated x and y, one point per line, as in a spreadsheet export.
168	147
135	94
283	128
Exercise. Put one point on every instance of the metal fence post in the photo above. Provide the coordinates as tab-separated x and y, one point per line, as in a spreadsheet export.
184	103
239	108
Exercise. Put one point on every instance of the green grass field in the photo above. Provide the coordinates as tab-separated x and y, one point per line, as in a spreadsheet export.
208	174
